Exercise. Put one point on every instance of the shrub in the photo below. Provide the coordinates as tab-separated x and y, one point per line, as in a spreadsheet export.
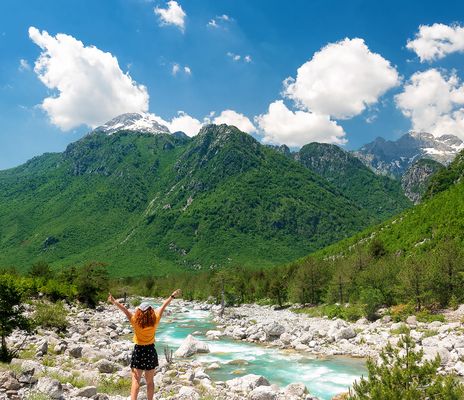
11	314
427	316
402	375
51	315
58	290
372	300
114	385
92	283
401	311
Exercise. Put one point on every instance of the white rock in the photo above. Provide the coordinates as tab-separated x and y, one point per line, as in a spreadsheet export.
50	387
274	329
262	393
295	390
345	333
187	393
191	346
411	320
247	382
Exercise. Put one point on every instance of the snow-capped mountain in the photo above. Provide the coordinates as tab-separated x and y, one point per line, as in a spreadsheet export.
137	122
395	157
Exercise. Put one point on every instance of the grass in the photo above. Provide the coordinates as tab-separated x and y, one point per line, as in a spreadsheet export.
51	315
114	385
403	330
36	395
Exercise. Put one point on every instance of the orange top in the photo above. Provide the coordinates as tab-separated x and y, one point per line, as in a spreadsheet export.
144	336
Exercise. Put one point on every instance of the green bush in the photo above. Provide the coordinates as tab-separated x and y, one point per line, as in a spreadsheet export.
402	375
92	283
58	290
372	300
427	316
51	315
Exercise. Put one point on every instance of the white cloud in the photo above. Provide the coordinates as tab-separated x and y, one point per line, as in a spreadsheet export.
24	65
231	117
341	80
216	22
172	15
237	57
212	23
185	123
175	69
91	87
434	103
433	42
283	126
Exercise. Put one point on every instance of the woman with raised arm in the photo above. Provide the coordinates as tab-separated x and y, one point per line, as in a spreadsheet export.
144	322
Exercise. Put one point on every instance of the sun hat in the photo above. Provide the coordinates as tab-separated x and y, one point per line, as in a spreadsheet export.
145	306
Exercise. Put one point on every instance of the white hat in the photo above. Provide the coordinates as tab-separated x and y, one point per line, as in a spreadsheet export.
145	306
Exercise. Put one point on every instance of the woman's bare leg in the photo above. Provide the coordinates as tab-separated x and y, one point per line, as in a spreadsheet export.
150	384
136	376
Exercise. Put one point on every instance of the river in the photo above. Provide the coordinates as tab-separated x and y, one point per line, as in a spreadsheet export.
324	377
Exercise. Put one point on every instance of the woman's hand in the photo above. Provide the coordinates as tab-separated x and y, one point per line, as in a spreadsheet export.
176	293
111	298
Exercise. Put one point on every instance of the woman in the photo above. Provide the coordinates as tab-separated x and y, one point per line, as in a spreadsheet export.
144	322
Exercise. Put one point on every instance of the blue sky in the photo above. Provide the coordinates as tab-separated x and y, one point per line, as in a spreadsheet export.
278	38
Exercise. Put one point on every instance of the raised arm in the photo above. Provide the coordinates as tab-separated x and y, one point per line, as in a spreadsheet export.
174	294
112	300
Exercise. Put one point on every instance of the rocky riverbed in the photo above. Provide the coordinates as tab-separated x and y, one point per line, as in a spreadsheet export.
90	359
327	337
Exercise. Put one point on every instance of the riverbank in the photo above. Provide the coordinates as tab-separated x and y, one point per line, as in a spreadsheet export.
286	329
91	360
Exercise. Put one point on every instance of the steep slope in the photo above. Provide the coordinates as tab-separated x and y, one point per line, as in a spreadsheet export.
439	217
416	179
148	203
395	157
381	196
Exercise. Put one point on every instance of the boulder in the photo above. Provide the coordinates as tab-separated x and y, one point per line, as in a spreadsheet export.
411	320
50	387
297	390
239	333
8	381
262	393
187	393
247	383
191	346
42	347
345	333
87	391
274	329
106	366
76	351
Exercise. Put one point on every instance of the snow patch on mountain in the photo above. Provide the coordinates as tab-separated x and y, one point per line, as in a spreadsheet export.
135	122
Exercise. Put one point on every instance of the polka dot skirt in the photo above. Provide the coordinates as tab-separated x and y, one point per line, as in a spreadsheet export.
144	357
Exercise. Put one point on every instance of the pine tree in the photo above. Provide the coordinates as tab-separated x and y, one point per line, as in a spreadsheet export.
402	375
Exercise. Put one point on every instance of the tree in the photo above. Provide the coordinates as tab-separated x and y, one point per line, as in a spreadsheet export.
415	281
309	282
278	286
92	283
11	314
372	300
401	374
41	269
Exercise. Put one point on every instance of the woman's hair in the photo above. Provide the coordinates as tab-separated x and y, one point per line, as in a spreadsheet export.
145	318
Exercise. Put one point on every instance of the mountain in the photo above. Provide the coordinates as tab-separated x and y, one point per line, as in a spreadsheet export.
446	177
381	195
395	157
148	203
416	179
135	122
436	219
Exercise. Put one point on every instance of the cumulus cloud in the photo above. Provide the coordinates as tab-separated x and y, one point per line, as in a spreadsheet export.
176	69
187	70
91	87
185	123
341	80
172	15
297	128
433	42
434	102
231	117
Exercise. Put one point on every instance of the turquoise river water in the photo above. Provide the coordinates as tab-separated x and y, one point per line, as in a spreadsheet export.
324	377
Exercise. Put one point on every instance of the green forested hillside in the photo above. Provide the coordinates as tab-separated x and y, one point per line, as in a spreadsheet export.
380	194
147	203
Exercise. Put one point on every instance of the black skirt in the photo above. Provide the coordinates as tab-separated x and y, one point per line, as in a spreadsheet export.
144	357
